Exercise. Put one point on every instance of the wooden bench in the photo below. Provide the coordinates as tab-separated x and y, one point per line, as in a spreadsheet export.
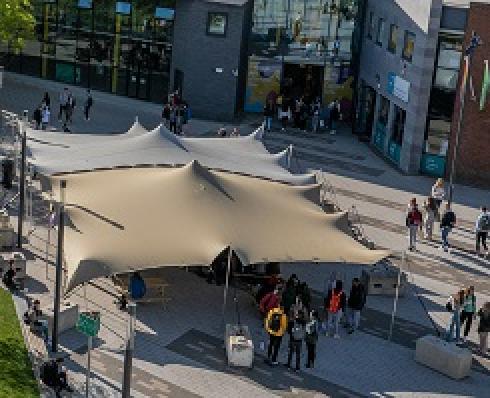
155	289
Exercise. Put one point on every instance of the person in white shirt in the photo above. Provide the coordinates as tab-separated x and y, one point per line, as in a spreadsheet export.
438	193
482	227
45	117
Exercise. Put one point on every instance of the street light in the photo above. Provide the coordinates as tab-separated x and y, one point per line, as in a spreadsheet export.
20	217
475	42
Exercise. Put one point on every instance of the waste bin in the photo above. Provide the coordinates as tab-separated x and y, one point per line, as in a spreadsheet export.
8	173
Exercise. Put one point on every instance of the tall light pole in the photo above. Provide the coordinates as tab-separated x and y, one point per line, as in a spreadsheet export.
475	41
20	217
128	353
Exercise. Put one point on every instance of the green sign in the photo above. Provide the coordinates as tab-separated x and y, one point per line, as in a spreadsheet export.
433	165
88	323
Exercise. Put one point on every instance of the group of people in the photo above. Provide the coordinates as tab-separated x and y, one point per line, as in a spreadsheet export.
290	311
302	113
463	307
42	114
446	217
176	113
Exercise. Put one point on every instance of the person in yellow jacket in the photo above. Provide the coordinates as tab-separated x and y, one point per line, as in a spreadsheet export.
275	324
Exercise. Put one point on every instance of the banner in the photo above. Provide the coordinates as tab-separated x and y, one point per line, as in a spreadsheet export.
485	85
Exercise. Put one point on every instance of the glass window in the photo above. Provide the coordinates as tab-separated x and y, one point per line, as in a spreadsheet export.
393	38
384	110
408	46
398	125
380	31
370	25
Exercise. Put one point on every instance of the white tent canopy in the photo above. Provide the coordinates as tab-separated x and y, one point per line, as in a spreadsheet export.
55	153
188	215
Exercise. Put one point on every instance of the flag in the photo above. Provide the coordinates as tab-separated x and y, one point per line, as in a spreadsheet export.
485	86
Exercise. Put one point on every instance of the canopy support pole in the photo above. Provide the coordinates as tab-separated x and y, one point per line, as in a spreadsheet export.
395	302
22	182
225	292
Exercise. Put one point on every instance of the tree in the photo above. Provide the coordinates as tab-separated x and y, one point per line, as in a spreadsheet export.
16	22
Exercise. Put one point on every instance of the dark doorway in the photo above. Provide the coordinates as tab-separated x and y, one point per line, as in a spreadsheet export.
367	106
302	80
179	82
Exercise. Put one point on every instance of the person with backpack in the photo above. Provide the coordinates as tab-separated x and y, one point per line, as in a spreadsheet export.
413	223
88	105
311	338
335	306
355	304
482	228
448	221
469	311
454	305
275	325
269	301
297	333
484	327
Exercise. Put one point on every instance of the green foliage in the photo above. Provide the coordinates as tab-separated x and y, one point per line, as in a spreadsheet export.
16	377
16	22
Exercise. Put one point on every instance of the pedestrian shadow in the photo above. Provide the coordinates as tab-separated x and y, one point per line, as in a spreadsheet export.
458	265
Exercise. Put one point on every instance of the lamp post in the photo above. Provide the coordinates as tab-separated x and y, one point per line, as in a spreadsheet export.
475	42
128	353
20	218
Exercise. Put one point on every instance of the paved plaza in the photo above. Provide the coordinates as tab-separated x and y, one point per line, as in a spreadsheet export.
179	350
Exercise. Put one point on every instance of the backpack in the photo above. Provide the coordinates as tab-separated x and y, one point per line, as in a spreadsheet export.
137	288
484	223
297	331
334	304
275	322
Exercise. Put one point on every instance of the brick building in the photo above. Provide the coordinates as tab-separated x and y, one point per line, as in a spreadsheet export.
472	165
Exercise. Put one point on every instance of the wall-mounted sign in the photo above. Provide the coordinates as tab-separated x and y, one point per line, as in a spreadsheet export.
398	86
433	165
164	13
217	22
123	8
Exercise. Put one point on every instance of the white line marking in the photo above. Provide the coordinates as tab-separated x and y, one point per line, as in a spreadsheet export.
206	345
194	347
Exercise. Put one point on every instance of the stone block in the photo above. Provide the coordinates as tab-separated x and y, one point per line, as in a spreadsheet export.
19	264
67	320
4	219
7	237
382	280
446	358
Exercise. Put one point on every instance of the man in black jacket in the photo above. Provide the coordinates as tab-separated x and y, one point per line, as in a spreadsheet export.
355	303
297	332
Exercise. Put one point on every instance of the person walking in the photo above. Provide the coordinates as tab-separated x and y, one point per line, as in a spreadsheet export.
268	115
63	98
311	338
430	209
37	116
355	304
335	306
45	115
448	221
285	114
288	296
46	100
484	327
469	311
413	223
315	120
166	115
89	101
297	333
334	116
275	326
454	305
297	307
482	228
269	301
438	192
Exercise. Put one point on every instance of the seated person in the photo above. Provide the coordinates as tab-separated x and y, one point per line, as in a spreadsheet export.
53	374
8	277
34	318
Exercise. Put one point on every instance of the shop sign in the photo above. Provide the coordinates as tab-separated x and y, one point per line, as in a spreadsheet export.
88	323
398	86
394	151
433	165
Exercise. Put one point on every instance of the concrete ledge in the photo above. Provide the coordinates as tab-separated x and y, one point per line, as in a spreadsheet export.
446	358
382	280
68	317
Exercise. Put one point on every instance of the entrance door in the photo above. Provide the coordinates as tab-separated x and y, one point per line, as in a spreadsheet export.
302	80
367	107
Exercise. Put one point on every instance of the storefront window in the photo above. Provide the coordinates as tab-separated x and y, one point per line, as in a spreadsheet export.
408	46
380	32
443	94
398	125
384	110
393	38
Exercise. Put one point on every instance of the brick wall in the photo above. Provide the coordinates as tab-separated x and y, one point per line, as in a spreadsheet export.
473	159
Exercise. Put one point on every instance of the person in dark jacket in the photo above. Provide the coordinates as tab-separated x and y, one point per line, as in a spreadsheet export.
448	221
8	277
297	333
288	296
311	338
484	327
268	114
355	303
37	117
335	307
